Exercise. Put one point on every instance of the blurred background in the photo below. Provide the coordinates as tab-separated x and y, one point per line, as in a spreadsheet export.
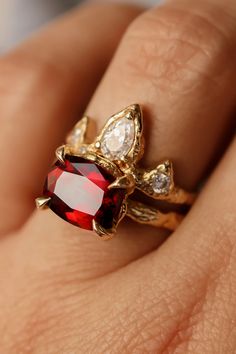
18	18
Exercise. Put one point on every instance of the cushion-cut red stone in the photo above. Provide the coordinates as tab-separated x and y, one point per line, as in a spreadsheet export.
79	193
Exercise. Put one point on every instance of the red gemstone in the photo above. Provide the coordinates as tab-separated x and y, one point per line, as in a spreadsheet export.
79	193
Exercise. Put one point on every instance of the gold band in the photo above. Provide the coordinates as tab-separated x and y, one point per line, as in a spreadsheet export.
148	215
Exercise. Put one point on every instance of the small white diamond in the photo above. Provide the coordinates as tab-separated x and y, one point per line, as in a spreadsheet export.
75	136
118	139
161	183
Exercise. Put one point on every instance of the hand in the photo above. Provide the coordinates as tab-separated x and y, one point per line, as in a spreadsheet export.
63	290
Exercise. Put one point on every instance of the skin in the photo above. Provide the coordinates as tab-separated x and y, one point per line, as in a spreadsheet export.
63	290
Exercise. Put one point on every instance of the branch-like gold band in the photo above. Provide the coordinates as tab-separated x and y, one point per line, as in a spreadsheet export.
117	151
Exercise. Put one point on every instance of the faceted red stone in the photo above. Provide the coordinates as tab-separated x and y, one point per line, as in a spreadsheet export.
79	193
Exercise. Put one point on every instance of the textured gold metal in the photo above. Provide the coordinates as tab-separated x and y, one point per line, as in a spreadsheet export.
103	233
60	153
125	182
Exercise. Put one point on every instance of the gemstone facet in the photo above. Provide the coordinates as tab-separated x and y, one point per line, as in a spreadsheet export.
79	193
161	183
118	139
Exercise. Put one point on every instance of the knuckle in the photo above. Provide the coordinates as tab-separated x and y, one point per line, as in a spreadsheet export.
168	44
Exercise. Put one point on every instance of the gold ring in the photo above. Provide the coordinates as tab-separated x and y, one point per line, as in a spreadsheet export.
92	184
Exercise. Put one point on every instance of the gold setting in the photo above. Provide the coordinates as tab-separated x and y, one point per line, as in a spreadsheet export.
60	153
103	233
127	174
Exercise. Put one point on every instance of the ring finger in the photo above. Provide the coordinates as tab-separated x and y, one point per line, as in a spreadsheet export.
178	62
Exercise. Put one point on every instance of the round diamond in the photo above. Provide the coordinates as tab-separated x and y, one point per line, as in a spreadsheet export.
82	149
161	183
118	139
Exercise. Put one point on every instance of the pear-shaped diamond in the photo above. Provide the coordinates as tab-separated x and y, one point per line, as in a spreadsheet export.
118	138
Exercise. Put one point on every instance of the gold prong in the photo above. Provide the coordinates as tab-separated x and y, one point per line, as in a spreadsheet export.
103	233
165	167
123	212
97	145
42	202
124	182
60	153
144	214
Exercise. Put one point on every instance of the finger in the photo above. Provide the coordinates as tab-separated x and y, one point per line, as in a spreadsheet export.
45	83
178	62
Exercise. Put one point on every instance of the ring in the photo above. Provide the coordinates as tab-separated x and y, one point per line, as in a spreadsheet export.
93	185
